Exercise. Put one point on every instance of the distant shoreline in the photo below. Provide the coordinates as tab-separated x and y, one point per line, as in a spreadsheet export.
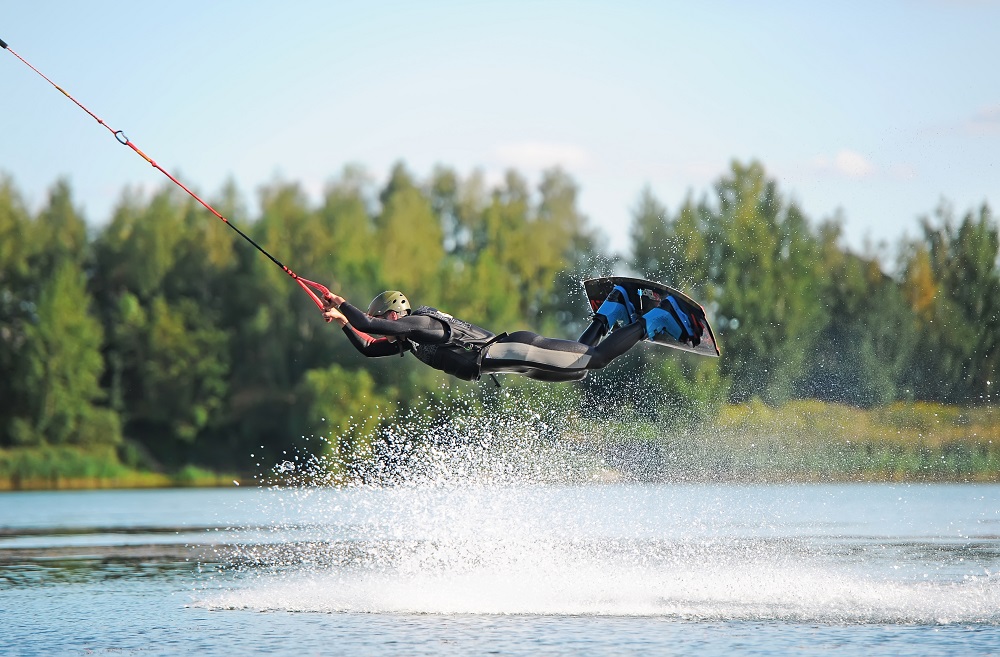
607	479
142	481
804	441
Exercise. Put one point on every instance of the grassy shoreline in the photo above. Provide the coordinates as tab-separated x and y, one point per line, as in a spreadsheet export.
73	468
137	480
801	442
811	441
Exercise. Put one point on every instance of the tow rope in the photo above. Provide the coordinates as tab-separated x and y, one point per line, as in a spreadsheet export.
311	287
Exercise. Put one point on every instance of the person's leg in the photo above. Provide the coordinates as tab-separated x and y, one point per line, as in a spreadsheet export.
617	344
592	335
523	351
550	359
616	308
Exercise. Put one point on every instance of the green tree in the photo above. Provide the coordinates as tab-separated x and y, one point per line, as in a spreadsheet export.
50	343
205	260
651	234
491	284
409	237
274	333
61	368
345	407
864	349
60	230
458	204
959	353
569	253
15	300
763	263
183	379
166	279
139	247
693	388
672	250
345	218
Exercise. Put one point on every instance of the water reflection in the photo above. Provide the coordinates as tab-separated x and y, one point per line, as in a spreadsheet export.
40	568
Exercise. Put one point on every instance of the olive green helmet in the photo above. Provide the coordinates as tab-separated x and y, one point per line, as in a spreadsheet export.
389	300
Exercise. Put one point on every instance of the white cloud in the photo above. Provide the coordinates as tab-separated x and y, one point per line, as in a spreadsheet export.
853	164
539	155
845	163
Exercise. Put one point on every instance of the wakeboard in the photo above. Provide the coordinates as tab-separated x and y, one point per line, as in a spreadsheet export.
646	295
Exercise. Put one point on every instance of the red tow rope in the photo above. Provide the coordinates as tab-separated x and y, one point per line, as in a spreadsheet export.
122	139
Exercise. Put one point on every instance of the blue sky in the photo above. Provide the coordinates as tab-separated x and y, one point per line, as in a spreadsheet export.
878	110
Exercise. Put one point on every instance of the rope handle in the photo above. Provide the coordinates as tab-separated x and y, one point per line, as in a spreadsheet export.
311	288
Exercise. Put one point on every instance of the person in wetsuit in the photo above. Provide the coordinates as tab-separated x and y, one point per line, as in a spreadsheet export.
467	351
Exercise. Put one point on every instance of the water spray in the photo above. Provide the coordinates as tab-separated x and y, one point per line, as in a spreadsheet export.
311	287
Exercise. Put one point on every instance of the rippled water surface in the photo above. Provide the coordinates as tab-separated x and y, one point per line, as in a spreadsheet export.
503	569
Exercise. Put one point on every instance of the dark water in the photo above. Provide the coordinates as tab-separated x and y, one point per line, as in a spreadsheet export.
507	569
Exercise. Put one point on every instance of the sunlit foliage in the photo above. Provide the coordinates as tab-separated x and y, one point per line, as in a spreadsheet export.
160	336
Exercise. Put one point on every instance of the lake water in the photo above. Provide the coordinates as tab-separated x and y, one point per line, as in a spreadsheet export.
508	569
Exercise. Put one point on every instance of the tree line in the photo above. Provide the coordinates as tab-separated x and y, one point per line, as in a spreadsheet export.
156	337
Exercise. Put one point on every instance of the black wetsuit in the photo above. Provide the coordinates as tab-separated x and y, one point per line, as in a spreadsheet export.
468	351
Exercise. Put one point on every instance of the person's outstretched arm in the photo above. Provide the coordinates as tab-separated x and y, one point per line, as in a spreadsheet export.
359	325
419	328
366	344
